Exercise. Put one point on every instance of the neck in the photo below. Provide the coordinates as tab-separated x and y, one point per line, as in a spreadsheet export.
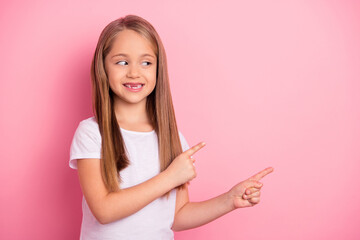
130	113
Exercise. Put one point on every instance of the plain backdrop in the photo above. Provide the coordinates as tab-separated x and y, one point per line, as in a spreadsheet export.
263	83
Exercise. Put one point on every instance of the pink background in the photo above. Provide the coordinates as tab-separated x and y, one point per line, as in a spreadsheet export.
263	83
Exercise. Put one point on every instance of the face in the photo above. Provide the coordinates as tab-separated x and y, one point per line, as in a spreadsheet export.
131	67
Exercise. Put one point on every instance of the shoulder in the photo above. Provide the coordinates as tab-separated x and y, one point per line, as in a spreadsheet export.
86	142
88	129
89	123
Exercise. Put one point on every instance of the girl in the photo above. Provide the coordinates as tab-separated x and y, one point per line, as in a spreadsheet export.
134	165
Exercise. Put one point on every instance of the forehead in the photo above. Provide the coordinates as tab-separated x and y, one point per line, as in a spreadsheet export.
132	43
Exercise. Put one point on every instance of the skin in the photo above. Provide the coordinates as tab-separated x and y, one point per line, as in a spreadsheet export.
130	110
130	107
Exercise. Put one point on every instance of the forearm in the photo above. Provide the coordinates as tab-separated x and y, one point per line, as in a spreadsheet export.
120	204
195	214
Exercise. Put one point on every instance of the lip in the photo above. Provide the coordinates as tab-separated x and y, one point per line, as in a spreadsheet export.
134	90
133	83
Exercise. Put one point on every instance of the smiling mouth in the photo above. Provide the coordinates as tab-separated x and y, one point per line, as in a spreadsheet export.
134	86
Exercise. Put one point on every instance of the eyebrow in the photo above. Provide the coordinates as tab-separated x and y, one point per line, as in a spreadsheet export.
125	55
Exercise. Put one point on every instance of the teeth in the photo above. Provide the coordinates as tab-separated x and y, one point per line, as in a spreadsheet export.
138	86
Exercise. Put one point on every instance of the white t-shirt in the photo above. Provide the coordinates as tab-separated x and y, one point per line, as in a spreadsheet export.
155	220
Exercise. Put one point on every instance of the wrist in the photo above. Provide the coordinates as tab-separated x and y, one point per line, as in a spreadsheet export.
167	175
230	200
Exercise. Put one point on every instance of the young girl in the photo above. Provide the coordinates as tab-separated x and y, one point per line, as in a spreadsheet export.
134	165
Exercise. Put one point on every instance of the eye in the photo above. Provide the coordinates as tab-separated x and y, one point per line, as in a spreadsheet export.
147	63
121	62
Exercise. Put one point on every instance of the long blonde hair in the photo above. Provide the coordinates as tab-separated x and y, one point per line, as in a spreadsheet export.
159	104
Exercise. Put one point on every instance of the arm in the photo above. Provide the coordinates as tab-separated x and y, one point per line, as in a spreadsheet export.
194	214
108	207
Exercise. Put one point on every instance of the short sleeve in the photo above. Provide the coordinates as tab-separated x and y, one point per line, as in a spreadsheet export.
86	142
184	144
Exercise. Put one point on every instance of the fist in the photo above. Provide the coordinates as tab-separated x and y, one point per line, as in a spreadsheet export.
247	193
182	168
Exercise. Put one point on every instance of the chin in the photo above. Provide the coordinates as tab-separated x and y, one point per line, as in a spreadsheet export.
134	100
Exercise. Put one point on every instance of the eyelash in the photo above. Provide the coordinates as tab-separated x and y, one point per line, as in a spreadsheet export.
149	63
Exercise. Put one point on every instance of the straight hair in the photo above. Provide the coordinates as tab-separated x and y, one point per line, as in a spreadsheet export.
159	104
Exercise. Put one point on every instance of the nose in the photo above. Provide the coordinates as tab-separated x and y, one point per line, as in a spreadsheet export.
133	72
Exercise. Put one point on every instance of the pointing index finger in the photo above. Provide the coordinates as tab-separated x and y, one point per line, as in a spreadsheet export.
262	174
191	151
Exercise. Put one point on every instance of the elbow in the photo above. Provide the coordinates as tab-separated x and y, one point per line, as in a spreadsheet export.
104	218
176	227
101	215
101	218
102	221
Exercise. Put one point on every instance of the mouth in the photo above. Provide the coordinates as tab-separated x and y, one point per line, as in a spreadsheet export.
134	86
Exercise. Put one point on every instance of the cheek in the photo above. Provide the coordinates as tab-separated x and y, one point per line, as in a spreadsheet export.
115	75
151	76
111	78
112	84
114	79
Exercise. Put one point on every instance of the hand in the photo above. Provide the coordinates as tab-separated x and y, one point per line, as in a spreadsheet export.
247	193
182	168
